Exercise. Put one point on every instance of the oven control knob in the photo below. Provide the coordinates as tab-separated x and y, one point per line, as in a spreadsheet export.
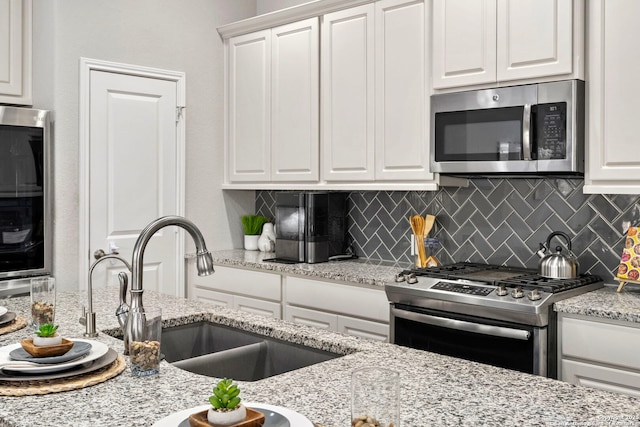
534	295
502	290
517	292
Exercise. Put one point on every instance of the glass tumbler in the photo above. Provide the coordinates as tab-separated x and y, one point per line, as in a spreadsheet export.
375	397
43	301
144	328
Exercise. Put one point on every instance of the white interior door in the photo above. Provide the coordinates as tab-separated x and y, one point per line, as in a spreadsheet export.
134	175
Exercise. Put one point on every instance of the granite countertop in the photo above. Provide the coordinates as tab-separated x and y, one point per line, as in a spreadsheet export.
436	390
603	303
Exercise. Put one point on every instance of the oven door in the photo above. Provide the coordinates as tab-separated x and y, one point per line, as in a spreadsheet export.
485	131
507	345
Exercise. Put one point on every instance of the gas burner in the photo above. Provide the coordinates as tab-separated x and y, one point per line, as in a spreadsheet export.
550	285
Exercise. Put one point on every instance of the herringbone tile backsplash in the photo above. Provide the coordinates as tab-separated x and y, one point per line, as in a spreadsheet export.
497	221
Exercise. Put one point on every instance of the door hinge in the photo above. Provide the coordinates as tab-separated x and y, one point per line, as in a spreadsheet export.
179	113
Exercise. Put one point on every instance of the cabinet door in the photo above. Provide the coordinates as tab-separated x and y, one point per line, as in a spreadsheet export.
218	298
256	306
464	42
15	52
535	38
601	377
363	328
348	94
401	111
613	157
313	318
294	102
249	111
238	281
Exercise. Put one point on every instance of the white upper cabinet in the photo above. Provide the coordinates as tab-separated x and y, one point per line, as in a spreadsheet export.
401	92
374	88
15	52
273	104
348	94
535	38
249	107
494	41
295	102
464	42
613	87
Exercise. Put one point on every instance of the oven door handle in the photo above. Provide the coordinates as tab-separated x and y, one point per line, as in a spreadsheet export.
462	325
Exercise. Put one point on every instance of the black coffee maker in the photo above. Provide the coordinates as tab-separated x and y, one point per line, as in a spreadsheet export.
310	226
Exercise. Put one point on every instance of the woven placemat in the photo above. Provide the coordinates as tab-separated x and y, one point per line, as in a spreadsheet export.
30	388
19	323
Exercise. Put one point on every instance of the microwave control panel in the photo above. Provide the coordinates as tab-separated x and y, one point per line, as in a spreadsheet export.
551	130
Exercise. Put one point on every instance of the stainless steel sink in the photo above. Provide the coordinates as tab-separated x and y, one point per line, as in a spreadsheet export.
220	351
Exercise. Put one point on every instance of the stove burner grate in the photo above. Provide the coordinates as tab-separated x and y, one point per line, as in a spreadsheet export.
550	285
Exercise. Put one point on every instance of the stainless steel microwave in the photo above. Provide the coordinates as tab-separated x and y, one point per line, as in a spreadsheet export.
528	129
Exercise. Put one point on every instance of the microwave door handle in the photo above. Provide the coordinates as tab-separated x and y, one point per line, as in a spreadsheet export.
461	325
526	132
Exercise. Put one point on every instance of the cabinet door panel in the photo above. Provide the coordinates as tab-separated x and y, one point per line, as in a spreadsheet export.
464	42
363	328
401	91
218	298
313	318
295	103
256	306
249	92
348	94
601	377
239	281
613	157
535	38
15	51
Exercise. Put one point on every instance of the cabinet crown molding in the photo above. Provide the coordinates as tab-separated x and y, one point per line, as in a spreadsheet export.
286	16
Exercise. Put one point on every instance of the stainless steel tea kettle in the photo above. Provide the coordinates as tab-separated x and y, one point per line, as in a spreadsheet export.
557	265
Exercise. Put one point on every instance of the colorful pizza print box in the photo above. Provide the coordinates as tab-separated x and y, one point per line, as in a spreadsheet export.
629	267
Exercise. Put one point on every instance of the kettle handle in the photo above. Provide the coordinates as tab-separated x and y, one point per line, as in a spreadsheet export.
559	233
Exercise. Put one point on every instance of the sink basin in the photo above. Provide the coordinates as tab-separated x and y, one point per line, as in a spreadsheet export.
220	351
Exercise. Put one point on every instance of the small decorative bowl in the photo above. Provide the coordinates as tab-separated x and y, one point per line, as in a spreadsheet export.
48	350
253	419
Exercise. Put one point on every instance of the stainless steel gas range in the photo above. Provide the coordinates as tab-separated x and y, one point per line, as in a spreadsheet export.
492	314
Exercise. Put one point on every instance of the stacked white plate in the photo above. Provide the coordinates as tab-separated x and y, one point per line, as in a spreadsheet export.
99	356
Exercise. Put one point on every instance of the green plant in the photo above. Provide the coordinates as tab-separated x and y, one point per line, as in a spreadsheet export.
46	330
252	224
226	395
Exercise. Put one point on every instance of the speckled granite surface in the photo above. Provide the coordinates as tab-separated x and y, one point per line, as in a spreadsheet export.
436	390
605	303
355	271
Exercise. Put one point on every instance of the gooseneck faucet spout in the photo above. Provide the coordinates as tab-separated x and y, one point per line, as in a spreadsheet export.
204	262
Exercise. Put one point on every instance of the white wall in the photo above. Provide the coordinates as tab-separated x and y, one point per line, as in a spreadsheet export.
266	6
167	34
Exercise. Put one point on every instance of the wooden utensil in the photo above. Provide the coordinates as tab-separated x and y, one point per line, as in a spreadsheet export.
429	220
417	226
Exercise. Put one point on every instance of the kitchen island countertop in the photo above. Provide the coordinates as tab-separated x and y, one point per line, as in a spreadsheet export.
436	390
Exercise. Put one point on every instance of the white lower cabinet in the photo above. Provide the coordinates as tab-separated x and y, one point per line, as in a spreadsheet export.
601	354
246	290
353	310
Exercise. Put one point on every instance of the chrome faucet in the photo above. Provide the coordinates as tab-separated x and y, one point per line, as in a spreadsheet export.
88	318
204	264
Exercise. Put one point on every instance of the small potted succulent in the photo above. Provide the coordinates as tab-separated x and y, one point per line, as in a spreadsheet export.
226	410
252	225
47	342
47	335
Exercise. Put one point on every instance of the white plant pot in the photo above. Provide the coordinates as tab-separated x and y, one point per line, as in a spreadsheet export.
251	242
44	341
227	418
